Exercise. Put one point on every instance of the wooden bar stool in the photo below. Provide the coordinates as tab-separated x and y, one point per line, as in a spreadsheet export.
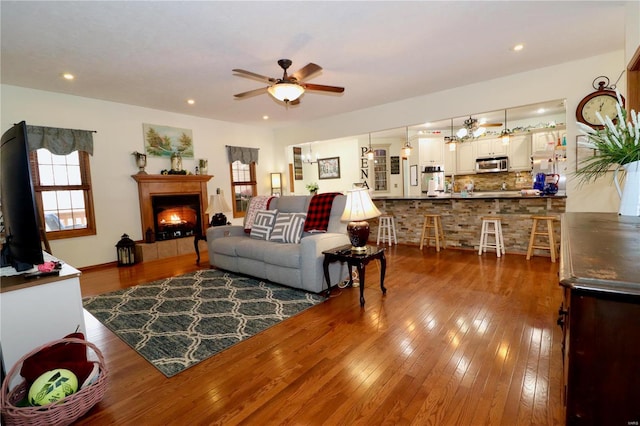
491	225
548	233
387	230
432	221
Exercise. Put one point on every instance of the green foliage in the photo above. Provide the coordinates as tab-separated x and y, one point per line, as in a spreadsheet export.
615	145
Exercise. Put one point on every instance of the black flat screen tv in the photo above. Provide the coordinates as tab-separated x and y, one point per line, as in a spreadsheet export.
23	246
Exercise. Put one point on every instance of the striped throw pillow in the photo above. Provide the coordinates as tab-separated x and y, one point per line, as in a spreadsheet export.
263	224
288	227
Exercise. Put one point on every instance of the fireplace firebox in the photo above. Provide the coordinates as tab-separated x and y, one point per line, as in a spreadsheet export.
175	216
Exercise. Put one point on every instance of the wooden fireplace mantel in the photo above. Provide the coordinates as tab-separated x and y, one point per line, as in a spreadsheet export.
150	185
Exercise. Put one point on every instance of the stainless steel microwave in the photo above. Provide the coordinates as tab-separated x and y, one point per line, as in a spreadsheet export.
492	164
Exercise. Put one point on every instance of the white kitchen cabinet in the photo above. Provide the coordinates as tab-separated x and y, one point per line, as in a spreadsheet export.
431	151
450	167
546	140
490	147
466	158
519	153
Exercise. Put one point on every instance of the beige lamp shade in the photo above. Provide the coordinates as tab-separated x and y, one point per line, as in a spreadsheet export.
359	206
357	210
217	204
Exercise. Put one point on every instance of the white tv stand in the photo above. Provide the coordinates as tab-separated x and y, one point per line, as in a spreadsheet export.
36	311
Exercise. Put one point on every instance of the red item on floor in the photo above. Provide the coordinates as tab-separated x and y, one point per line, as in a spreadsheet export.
72	356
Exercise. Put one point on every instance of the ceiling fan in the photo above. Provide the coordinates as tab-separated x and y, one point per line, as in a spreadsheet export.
289	88
473	129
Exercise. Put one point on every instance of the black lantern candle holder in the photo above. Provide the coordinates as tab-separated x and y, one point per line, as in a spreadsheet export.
126	251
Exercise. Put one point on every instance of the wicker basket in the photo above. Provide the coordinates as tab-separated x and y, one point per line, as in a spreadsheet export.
66	411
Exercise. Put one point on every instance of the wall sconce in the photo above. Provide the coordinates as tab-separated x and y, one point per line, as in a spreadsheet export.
216	208
276	184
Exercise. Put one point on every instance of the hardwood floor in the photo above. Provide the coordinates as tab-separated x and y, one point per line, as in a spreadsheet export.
459	339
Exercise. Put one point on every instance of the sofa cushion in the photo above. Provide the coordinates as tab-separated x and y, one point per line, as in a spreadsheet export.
263	224
288	227
227	245
286	255
255	250
290	204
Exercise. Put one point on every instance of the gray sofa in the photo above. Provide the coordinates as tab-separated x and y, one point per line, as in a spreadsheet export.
294	265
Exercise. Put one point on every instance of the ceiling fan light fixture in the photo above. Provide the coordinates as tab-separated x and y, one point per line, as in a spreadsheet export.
479	132
286	92
461	133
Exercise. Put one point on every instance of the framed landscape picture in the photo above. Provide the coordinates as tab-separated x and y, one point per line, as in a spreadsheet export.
162	141
329	168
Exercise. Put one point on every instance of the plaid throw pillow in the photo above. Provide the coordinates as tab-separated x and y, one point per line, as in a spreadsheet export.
288	228
263	224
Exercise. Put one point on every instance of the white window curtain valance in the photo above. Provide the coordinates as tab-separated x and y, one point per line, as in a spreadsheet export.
242	154
60	141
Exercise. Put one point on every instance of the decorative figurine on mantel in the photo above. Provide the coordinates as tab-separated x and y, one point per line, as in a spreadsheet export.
141	162
176	162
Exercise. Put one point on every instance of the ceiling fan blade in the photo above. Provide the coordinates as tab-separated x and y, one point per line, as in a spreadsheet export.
250	74
251	93
323	88
491	125
306	71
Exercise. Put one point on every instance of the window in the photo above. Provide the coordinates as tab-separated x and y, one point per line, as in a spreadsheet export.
62	185
243	185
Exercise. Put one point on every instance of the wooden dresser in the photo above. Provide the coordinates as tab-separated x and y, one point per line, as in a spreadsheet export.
600	318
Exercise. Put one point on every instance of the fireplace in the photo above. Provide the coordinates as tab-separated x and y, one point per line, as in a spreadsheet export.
175	216
173	206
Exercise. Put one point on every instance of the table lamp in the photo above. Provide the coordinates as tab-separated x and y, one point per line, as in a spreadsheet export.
216	208
357	210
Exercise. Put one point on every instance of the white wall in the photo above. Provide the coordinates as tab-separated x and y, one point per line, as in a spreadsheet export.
571	81
119	133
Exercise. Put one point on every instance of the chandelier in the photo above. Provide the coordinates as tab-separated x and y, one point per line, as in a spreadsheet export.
308	159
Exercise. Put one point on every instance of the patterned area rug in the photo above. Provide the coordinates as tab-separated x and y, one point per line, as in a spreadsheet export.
177	322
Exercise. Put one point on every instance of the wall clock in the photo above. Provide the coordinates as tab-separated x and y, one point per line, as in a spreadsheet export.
604	100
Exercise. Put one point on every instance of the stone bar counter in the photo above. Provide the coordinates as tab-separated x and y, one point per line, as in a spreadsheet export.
461	217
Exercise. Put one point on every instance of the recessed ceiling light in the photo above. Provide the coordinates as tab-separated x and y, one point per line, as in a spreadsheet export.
518	47
541	110
265	117
68	76
191	101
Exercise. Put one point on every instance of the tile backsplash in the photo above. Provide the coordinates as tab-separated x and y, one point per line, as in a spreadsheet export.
493	181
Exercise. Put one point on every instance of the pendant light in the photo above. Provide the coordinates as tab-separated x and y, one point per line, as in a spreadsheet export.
406	149
452	139
505	135
369	154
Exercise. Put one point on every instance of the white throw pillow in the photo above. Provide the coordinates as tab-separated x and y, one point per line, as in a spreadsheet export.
288	227
263	223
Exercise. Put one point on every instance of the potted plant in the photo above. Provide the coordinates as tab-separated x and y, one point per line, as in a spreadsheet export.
617	146
312	188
